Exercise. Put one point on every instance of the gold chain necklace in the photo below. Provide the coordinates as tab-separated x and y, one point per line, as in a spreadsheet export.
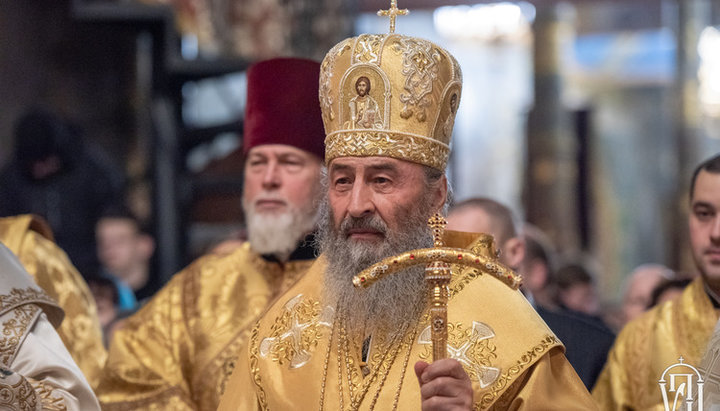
352	372
339	366
325	369
343	351
408	344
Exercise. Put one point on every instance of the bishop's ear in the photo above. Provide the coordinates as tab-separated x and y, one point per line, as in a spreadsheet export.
439	193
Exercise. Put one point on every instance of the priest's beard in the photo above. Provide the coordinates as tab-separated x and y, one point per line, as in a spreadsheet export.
397	299
278	234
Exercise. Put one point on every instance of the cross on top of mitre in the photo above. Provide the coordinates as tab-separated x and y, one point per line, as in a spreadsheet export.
392	13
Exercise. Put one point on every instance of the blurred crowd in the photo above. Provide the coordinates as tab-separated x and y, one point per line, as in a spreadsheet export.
142	344
54	175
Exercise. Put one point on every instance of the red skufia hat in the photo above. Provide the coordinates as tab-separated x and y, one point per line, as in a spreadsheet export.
282	105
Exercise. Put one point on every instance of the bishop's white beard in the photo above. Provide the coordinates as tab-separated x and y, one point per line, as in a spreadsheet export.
395	300
278	234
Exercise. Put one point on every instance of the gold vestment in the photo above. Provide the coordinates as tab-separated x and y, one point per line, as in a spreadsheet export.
178	350
650	344
299	355
29	238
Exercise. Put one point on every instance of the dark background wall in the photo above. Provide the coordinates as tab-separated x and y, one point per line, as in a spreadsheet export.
79	70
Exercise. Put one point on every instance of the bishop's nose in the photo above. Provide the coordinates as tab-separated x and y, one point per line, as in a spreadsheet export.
361	203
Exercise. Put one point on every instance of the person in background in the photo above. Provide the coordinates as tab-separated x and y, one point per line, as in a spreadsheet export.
31	240
485	215
668	290
585	342
125	252
639	287
107	301
577	293
538	267
178	350
576	289
54	175
36	370
684	329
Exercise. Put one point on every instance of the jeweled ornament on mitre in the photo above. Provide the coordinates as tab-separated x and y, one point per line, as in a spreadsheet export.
389	95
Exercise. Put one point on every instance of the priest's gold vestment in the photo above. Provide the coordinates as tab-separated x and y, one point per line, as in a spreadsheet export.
650	344
178	350
301	357
30	238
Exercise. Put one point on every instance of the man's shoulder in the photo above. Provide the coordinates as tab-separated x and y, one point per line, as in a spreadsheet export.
14	229
30	238
644	348
654	316
581	335
654	334
211	291
572	324
207	275
587	343
474	290
19	290
662	318
224	267
501	314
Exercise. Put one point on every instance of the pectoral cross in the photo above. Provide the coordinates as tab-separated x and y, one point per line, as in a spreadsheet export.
392	13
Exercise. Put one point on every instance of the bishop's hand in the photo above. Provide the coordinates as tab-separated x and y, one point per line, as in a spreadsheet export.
444	385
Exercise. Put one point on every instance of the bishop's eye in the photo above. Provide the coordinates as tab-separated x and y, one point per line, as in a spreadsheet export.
342	181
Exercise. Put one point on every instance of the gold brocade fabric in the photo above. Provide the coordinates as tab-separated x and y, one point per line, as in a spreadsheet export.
300	356
178	350
29	238
651	343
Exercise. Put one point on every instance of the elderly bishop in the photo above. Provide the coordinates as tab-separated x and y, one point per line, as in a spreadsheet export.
325	344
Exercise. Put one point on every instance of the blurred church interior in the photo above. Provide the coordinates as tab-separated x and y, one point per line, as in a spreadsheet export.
585	116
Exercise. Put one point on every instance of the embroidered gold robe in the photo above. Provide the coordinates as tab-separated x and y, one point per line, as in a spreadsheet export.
36	370
30	239
178	350
650	344
299	356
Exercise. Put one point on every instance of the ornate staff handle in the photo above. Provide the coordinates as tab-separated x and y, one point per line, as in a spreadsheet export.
438	275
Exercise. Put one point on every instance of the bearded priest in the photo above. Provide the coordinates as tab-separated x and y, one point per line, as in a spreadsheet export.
325	344
178	350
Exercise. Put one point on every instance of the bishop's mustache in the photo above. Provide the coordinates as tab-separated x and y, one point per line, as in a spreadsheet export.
369	222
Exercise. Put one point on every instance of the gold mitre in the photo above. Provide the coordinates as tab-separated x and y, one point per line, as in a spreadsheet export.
389	95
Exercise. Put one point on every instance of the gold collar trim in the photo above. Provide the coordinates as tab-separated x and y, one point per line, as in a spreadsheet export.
21	296
15	327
